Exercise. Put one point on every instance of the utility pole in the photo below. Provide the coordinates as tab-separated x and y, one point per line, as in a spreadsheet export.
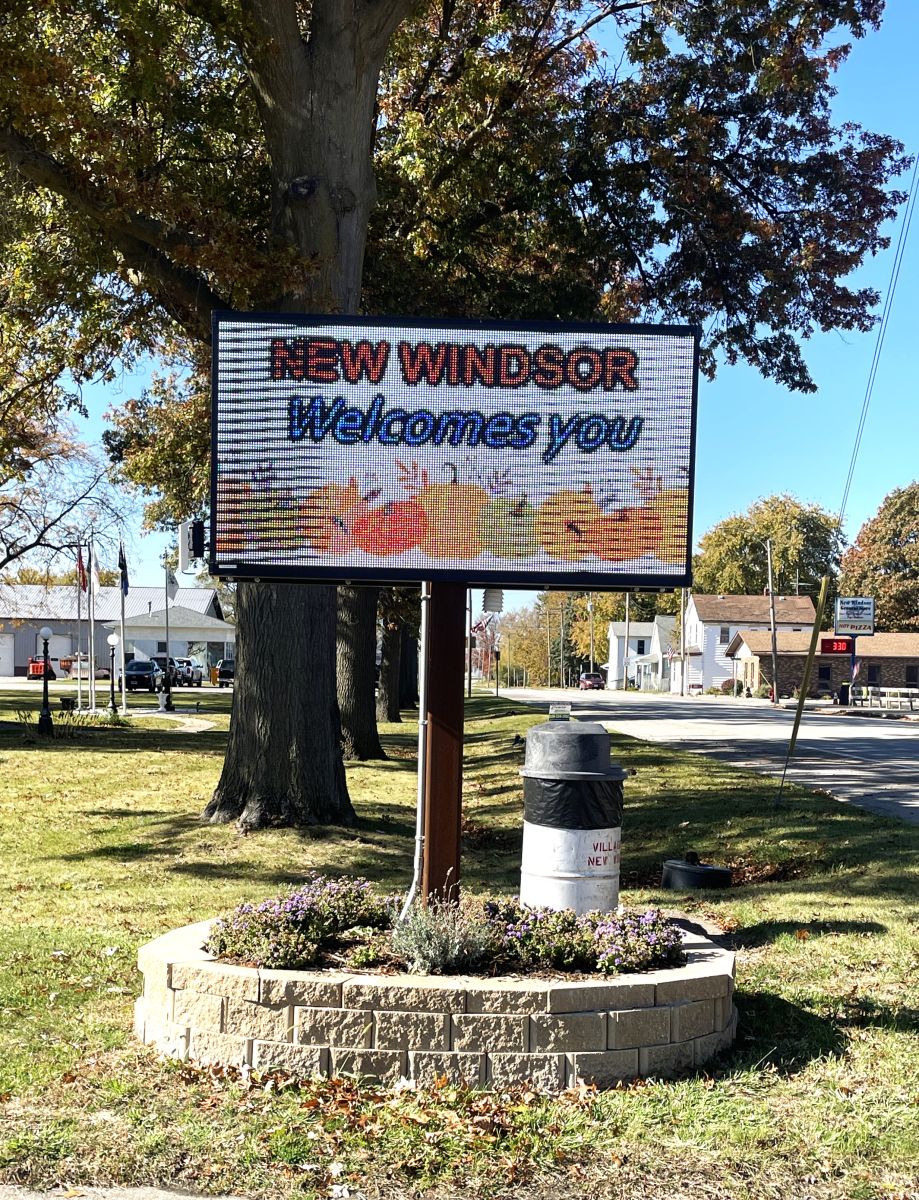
548	645
469	648
561	646
682	641
625	647
590	616
775	654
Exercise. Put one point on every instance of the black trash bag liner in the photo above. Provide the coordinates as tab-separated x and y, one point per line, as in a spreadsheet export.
573	803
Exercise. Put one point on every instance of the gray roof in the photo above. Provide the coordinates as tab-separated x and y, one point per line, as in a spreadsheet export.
179	618
34	601
636	628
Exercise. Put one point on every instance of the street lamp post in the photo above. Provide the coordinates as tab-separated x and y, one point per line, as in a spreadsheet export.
112	640
45	722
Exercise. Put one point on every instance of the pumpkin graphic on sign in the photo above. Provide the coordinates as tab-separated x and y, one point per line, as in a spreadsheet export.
507	527
323	513
452	511
626	533
390	528
564	523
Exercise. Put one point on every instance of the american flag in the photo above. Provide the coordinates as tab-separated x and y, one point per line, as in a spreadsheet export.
671	654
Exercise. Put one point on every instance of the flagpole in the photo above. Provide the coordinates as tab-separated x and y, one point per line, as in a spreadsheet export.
92	626
79	629
123	589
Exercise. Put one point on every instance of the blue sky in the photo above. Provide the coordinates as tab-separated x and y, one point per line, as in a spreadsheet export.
755	438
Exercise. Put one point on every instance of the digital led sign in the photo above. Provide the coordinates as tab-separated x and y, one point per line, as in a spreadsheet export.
348	448
835	646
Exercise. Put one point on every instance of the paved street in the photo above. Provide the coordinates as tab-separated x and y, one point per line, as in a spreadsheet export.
869	761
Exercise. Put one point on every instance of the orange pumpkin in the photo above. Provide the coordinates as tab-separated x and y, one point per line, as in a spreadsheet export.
390	528
564	523
625	534
234	498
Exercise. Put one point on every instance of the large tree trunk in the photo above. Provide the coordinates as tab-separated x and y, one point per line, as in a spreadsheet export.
356	669
408	670
316	98
390	657
275	772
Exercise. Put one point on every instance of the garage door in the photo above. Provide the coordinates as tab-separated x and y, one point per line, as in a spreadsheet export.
6	654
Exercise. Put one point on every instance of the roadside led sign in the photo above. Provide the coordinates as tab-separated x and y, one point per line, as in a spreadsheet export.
348	448
835	646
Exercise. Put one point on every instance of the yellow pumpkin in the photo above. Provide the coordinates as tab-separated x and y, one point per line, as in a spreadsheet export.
672	507
564	523
452	514
321	515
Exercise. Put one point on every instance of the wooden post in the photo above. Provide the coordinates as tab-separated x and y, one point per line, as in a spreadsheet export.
443	771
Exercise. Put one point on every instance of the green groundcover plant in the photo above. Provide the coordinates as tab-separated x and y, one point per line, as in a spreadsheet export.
344	921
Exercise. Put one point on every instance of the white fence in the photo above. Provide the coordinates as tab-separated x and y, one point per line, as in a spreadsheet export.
886	697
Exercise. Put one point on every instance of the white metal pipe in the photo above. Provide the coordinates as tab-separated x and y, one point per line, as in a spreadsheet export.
422	748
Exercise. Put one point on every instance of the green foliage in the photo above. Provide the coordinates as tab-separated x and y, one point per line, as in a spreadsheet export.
883	562
446	938
806	545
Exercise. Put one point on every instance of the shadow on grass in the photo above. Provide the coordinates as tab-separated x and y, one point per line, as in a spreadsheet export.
770	931
774	1031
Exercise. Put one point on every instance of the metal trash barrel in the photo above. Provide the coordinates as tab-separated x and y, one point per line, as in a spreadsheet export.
572	818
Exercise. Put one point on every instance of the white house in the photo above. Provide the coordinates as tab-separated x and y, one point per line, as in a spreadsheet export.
711	623
623	659
652	670
197	629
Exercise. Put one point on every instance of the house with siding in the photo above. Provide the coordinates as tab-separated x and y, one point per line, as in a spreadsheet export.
196	625
711	624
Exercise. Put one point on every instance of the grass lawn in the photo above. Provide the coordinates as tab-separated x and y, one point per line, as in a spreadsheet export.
101	849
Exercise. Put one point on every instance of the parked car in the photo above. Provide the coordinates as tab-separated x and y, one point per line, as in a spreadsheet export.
142	673
591	681
170	666
192	672
226	672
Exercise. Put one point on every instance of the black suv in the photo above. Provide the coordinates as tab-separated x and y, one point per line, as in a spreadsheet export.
140	673
226	672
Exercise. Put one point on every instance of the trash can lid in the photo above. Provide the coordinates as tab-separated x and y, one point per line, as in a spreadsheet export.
569	750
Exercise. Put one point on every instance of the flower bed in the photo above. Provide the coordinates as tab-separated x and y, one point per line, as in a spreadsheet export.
484	1031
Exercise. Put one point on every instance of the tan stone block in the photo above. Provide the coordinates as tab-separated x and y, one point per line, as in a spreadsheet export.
599	997
169	1039
568	1032
545	1071
158	999
302	1061
703	978
140	1018
507	996
333	1027
198	1010
705	1048
411	1031
387	1066
270	1024
664	1061
222	979
724	1006
298	987
692	1020
370	992
605	1069
638	1027
489	1031
426	1067
219	1048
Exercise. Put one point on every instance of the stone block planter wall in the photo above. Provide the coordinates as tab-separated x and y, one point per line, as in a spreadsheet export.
482	1031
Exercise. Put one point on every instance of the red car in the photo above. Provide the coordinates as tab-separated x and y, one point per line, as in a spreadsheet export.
591	681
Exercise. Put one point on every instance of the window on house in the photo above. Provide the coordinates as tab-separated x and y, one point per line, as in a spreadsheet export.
825	673
641	645
912	676
724	635
161	647
874	674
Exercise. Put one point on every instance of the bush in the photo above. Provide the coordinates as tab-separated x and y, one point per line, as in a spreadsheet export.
346	918
446	938
288	931
731	687
763	692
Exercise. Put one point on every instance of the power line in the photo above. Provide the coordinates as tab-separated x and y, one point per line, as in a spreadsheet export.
882	332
